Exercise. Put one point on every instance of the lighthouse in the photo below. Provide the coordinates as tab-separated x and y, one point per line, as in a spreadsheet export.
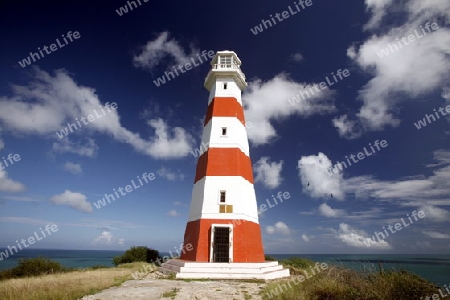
223	229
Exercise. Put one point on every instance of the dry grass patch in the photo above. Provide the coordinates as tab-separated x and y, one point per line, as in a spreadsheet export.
342	284
71	285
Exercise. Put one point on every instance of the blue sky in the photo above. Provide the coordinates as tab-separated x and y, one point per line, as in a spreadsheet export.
116	59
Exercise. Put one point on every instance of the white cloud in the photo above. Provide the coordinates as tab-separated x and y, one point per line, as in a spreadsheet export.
73	168
22	220
423	245
442	158
268	172
435	214
359	238
37	109
105	238
173	213
446	93
297	57
158	49
19	198
121	241
105	224
164	146
408	188
410	191
347	128
414	70
270	230
378	9
305	238
75	200
313	171
436	235
88	149
279	228
2	144
9	185
269	101
327	211
170	175
177	203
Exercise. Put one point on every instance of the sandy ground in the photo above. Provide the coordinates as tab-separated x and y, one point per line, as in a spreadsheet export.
152	287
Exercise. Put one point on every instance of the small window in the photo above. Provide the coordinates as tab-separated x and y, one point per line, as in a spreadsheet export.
224	131
225	209
225	85
222	196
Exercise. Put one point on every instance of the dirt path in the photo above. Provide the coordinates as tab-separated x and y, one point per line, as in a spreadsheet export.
153	287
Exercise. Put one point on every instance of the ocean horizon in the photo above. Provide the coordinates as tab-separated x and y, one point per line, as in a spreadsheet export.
435	268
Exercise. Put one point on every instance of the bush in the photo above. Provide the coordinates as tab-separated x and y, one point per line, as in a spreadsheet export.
37	266
33	267
152	255
137	253
6	274
269	258
298	262
96	267
297	265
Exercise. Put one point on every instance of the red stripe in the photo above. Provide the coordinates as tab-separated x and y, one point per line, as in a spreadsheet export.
224	162
224	107
247	242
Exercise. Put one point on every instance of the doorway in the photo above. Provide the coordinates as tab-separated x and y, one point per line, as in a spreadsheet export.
221	250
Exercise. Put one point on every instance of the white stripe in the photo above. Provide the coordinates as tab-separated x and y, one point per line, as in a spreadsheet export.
240	193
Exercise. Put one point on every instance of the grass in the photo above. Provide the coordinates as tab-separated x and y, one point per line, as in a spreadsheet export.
334	283
296	265
193	279
69	285
337	283
171	294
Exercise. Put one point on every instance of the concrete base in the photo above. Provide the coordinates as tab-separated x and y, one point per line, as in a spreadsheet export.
189	269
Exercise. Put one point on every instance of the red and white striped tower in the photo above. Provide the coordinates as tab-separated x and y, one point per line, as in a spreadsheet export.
223	235
223	219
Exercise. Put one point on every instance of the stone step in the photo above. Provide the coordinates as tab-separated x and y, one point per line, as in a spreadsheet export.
185	263
263	276
175	268
192	270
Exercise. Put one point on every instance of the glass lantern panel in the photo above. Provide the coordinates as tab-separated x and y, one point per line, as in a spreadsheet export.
225	61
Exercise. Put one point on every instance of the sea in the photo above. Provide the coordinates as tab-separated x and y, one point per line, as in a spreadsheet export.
435	268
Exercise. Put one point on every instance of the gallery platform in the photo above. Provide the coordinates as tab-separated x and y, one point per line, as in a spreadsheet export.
196	270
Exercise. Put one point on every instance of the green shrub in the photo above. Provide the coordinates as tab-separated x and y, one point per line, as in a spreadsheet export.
298	262
6	274
37	266
98	267
152	255
137	253
32	267
269	258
